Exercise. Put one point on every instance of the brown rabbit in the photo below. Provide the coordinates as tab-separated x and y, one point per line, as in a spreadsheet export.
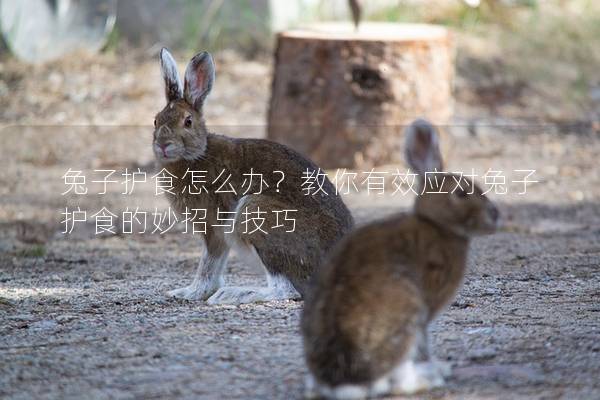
182	143
366	314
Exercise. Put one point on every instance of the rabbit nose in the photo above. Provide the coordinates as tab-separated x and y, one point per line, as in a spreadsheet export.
163	148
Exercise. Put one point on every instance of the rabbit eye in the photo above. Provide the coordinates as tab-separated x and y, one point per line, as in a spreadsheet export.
155	122
187	122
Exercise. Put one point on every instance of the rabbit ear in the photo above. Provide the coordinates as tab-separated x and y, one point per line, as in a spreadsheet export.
422	147
173	86
199	78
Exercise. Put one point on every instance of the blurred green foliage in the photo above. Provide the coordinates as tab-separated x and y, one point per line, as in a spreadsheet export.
219	24
112	42
34	251
551	45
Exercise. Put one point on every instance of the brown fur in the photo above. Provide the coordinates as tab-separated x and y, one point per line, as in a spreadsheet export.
372	300
320	220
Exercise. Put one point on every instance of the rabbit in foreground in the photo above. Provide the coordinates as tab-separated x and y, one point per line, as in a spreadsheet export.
182	143
366	315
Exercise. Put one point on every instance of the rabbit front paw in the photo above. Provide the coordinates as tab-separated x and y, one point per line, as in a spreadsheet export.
195	291
241	294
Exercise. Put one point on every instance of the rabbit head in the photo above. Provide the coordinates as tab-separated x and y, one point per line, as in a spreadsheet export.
449	200
179	129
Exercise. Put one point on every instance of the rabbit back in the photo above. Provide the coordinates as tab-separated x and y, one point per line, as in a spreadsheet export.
366	308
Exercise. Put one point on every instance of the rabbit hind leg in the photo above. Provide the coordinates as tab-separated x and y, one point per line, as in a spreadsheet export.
278	287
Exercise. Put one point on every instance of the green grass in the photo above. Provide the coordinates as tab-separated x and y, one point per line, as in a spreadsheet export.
112	42
221	24
35	251
552	45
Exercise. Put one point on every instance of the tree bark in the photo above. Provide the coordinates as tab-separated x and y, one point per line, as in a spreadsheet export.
342	97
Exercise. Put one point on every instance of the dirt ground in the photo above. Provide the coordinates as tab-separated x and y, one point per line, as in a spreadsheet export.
86	316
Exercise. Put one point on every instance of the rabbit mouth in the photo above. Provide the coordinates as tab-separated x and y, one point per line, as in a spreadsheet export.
167	153
162	157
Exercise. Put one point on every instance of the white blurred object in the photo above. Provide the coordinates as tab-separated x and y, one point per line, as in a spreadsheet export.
43	30
293	13
473	3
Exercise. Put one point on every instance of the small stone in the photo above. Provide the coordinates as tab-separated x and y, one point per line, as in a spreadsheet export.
64	319
99	276
477	331
482	354
129	353
462	305
43	325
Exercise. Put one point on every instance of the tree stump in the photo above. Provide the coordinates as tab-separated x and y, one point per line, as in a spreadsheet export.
342	97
